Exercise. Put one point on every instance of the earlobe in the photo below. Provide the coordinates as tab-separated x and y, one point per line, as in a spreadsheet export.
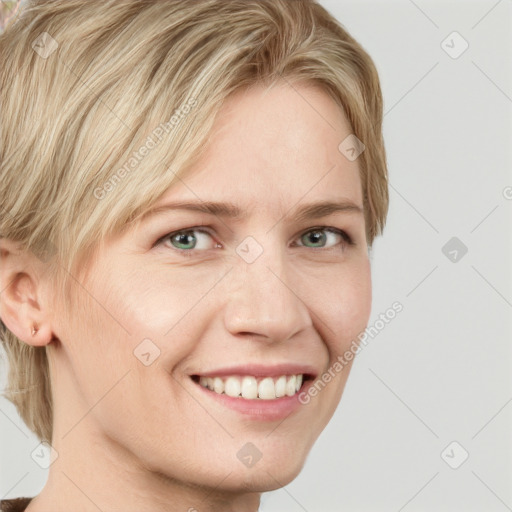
20	308
40	336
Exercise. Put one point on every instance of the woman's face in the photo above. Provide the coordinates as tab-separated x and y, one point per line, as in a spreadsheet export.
246	301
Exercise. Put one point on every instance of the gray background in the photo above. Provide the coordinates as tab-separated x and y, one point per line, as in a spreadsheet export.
441	370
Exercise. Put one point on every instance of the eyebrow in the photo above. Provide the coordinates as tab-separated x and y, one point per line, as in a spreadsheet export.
302	213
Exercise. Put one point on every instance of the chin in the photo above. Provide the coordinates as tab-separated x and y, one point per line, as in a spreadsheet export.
267	478
275	469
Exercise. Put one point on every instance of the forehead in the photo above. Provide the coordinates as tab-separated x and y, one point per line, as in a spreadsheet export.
273	147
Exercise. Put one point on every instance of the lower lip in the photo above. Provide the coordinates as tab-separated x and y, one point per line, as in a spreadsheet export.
258	409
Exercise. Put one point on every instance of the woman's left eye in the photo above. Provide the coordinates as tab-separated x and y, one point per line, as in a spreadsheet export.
319	235
185	239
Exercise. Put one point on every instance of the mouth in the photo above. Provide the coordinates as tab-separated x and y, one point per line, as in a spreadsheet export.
257	392
252	387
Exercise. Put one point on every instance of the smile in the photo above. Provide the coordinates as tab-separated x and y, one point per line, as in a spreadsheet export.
253	388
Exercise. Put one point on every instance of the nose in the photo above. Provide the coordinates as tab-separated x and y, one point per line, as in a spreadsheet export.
264	303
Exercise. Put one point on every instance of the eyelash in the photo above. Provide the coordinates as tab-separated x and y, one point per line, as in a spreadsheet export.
346	239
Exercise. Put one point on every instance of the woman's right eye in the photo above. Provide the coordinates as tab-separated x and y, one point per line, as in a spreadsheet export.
185	240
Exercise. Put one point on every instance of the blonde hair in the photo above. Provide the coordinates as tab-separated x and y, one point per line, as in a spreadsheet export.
86	86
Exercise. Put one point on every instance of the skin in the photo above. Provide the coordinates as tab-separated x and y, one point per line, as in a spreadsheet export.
147	438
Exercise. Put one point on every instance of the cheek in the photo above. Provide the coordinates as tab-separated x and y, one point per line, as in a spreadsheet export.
151	302
357	301
169	306
346	305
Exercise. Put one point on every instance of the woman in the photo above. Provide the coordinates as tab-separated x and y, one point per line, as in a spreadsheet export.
189	194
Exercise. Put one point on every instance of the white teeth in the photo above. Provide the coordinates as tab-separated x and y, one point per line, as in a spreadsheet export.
249	387
290	386
281	386
232	387
298	382
267	389
218	385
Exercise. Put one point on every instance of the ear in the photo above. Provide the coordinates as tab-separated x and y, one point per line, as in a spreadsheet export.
22	306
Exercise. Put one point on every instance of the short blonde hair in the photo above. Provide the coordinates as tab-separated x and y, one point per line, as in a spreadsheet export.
89	90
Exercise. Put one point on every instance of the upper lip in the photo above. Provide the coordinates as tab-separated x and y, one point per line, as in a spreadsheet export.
260	370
